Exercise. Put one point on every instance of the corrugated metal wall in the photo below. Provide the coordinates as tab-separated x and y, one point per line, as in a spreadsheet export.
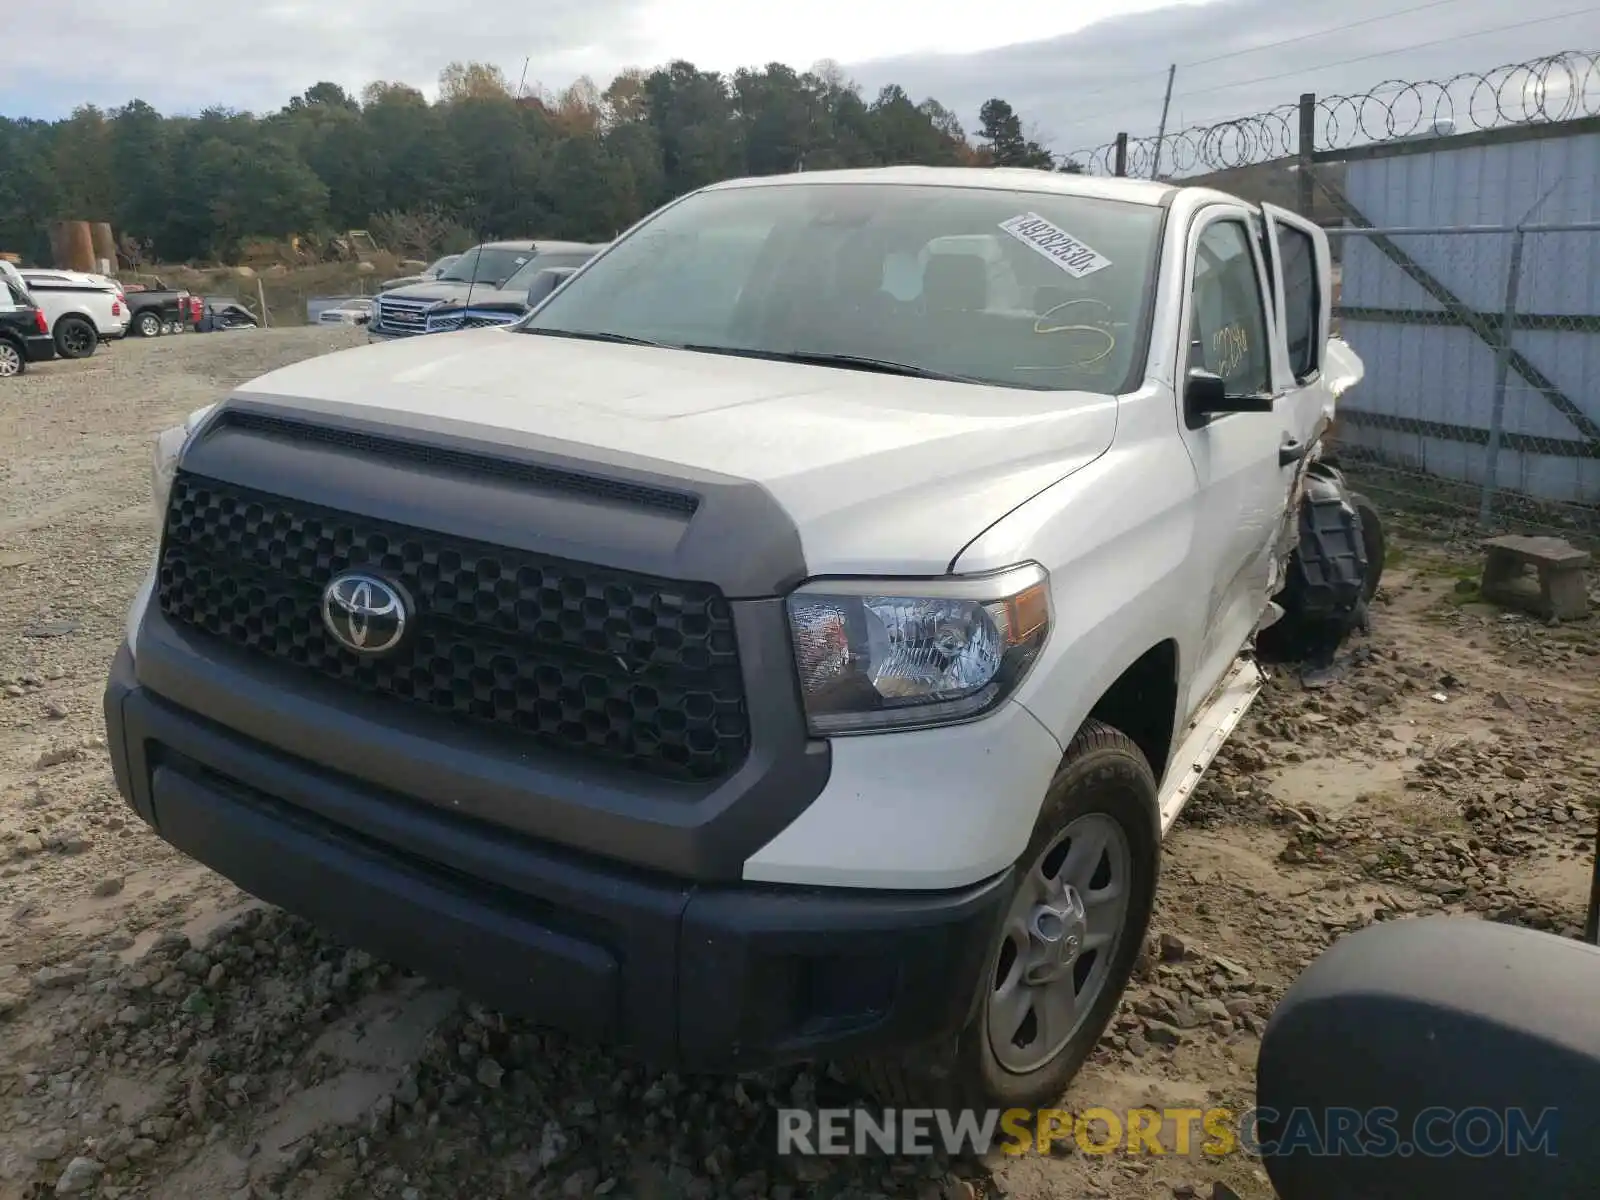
1423	370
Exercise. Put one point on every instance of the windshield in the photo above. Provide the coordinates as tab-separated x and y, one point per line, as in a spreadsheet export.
1020	289
481	265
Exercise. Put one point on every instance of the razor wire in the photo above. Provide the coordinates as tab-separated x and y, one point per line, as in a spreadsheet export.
1563	86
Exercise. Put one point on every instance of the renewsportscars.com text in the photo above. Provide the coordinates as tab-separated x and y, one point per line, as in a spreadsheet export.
1215	1132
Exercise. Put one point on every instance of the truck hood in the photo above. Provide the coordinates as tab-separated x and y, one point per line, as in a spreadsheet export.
456	293
879	473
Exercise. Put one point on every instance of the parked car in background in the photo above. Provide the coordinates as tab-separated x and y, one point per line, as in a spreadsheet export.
488	285
156	309
435	269
218	314
545	282
24	329
83	310
352	312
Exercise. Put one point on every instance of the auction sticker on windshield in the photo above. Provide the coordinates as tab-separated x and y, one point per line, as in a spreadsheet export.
1069	253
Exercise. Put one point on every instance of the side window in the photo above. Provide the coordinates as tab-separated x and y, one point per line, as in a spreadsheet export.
1301	304
1228	319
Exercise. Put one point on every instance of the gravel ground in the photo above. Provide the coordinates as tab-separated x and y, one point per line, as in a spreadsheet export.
162	1035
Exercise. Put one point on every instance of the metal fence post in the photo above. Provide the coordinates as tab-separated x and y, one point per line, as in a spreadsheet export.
1591	924
1122	155
1307	151
1502	374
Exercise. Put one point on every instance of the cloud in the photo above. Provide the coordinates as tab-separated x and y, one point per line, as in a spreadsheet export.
182	57
185	57
1079	91
1077	73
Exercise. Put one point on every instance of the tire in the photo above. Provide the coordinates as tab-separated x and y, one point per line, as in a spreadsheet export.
1104	786
75	338
145	325
1372	541
12	360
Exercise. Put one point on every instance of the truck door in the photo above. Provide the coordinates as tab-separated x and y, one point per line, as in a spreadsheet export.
1244	461
1301	270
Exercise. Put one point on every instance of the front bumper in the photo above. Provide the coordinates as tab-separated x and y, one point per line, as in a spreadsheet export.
703	976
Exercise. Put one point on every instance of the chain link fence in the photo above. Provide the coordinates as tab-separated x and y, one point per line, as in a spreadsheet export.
1482	391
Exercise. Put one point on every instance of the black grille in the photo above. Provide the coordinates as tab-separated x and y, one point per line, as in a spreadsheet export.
637	670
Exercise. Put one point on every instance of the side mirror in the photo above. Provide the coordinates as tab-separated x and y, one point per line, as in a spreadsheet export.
544	283
1205	394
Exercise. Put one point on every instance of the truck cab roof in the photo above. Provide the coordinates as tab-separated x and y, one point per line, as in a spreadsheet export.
1016	179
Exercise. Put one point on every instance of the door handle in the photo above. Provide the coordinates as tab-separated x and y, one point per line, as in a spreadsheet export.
1292	452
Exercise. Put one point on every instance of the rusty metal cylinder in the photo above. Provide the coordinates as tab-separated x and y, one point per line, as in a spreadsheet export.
72	246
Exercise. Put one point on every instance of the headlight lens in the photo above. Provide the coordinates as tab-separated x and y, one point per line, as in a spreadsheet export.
875	655
169	447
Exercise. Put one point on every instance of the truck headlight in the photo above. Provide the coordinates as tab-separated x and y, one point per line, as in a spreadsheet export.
169	448
875	654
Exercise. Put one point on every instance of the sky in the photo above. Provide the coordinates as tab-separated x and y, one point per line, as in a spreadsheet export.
1077	73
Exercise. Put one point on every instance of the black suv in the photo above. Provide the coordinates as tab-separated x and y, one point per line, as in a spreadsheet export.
24	332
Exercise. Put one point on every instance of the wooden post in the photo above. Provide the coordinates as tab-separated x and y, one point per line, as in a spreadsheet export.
1161	130
1122	155
261	294
1307	151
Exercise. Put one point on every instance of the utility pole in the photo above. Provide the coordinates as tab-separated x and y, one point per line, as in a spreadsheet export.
524	78
1161	132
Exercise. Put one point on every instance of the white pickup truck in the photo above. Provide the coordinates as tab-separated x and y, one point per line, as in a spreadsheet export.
792	638
83	310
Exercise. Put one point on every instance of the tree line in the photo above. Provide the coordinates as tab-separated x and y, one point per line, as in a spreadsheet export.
481	162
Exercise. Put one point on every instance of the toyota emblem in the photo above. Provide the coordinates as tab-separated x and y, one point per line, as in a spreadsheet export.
364	613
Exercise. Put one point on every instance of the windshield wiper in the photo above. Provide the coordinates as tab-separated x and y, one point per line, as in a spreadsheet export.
622	339
851	362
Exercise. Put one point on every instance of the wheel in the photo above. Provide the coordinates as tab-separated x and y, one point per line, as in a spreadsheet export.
1372	543
146	325
11	360
75	338
1066	947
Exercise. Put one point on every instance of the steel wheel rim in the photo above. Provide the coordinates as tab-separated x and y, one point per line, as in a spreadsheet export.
75	339
1044	983
10	361
149	326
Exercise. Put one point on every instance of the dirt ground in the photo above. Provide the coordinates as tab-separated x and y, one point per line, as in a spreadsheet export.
161	1035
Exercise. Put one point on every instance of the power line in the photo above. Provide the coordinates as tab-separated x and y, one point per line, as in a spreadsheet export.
1306	37
1303	37
1344	62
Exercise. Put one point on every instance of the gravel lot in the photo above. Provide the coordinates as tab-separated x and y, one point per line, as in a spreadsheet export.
161	1035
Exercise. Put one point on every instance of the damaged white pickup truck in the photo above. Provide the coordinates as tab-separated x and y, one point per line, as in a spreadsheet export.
793	638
